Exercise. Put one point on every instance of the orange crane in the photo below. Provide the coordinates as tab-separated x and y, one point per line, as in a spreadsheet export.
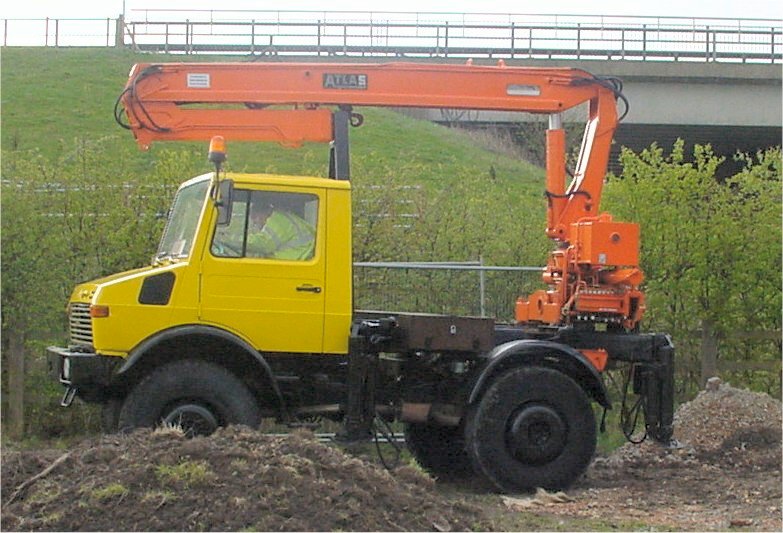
593	274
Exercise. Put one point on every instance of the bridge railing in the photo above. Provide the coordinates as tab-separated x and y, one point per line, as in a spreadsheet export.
401	35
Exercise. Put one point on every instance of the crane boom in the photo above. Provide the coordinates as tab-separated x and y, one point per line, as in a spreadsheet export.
593	275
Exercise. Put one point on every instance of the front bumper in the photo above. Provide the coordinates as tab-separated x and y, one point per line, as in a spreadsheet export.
85	374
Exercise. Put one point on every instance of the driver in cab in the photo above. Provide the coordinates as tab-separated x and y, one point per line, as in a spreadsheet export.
276	233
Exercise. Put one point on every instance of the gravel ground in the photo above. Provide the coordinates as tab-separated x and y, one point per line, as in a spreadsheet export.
725	474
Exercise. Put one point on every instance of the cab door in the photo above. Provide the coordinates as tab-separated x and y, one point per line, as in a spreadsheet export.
274	300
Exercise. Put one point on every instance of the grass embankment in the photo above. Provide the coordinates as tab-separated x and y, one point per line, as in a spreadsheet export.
52	97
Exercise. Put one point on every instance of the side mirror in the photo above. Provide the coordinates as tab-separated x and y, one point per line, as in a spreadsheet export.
224	201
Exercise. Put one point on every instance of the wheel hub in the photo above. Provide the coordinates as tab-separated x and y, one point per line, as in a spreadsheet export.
536	434
194	419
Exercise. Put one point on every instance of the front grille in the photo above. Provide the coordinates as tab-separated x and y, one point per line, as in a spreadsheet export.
81	324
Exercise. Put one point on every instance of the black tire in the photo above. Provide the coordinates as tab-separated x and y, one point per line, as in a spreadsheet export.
534	427
197	395
439	450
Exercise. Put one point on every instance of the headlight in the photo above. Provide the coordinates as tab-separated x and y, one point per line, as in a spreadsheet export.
66	369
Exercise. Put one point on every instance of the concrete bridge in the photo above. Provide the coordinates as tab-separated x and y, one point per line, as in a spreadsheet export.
714	81
732	106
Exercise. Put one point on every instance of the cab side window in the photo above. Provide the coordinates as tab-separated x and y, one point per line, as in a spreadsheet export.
270	225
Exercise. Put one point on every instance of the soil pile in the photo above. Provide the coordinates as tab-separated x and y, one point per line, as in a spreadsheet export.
724	470
728	428
235	479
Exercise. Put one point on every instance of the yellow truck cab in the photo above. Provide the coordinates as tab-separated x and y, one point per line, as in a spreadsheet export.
208	289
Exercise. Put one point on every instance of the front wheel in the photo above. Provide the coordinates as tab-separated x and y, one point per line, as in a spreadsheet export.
534	427
195	395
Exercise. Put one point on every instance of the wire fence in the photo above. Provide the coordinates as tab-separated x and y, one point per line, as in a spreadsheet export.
402	35
455	288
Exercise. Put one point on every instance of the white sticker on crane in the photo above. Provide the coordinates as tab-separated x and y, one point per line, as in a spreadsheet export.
198	81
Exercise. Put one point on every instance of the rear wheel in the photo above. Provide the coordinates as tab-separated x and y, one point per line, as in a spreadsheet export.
534	427
439	450
195	395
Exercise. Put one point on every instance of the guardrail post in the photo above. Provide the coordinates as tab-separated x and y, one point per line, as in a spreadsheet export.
622	43
530	43
446	41
253	37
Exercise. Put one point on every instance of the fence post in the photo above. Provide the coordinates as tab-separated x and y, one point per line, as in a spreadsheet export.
482	287
46	33
57	33
513	39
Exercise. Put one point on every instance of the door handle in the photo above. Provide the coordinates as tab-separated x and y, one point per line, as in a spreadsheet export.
308	288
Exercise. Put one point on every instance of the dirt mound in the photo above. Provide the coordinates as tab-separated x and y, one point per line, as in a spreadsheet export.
724	471
732	427
726	427
235	479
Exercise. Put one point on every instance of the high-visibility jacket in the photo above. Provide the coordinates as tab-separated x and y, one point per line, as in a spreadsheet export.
284	236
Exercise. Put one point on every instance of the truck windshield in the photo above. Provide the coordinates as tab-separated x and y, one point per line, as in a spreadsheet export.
181	225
